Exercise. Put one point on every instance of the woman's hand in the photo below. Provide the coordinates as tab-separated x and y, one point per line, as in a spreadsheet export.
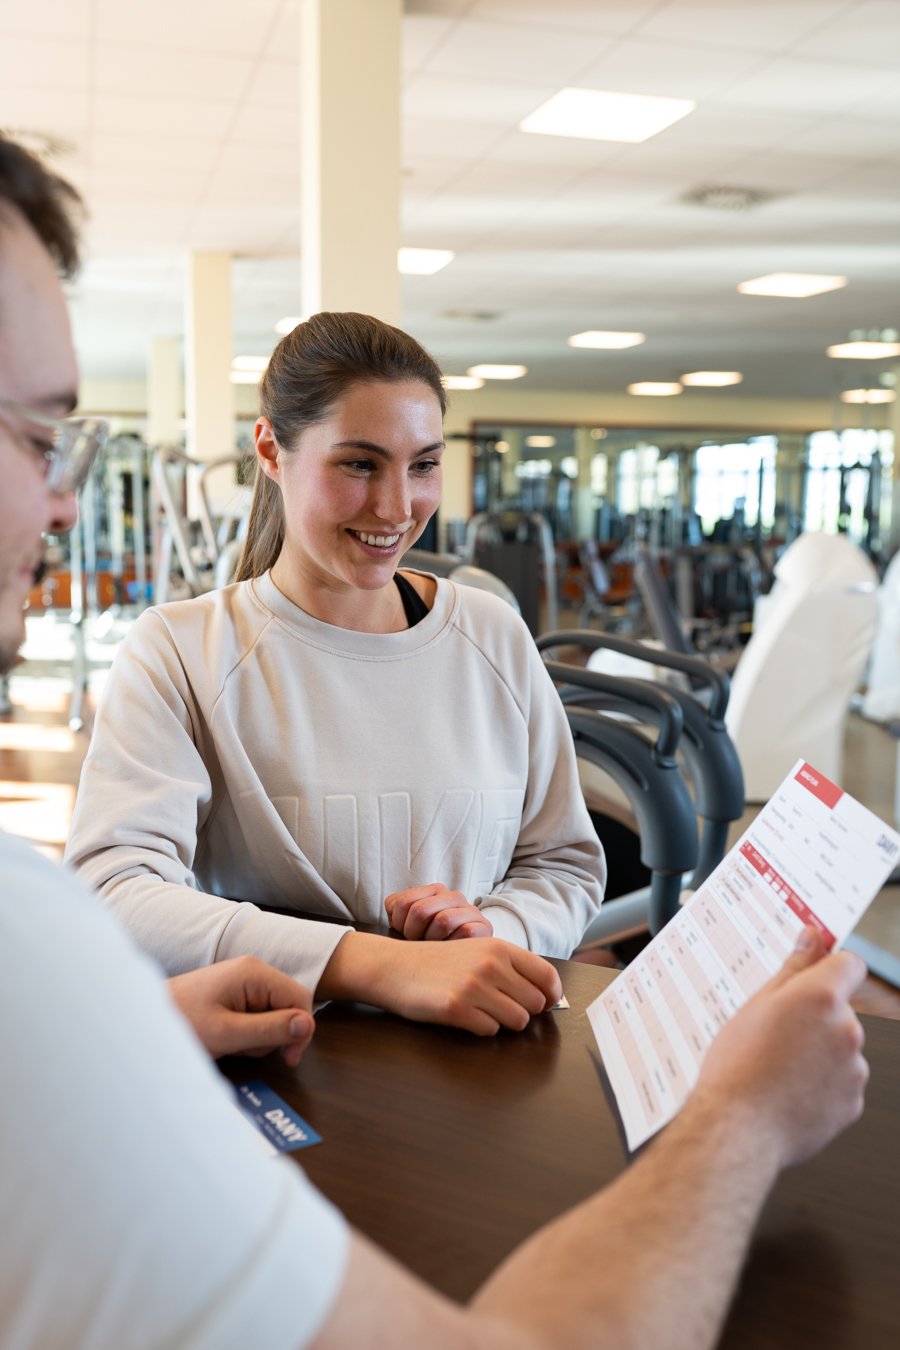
433	914
245	1007
479	986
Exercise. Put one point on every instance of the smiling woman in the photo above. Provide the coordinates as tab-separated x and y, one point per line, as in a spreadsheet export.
334	736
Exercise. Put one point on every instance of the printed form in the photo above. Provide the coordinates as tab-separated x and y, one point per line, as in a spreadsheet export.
813	855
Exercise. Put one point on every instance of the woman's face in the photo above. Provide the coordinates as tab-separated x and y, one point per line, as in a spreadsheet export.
359	487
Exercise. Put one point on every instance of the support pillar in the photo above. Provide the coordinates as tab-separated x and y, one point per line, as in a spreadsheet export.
164	393
350	156
585	450
209	394
892	533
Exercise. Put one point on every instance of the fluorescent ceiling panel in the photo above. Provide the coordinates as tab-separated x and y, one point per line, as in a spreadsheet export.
462	382
489	372
791	285
423	262
863	351
868	396
655	388
712	379
603	115
606	340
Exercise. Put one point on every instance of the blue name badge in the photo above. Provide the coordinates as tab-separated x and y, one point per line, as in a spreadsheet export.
282	1127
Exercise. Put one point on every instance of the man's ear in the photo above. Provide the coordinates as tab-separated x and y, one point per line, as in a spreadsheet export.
266	448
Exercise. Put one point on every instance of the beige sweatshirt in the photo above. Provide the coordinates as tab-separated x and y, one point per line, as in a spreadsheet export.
246	752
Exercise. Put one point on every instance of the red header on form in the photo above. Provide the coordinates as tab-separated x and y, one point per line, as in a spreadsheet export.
786	891
819	785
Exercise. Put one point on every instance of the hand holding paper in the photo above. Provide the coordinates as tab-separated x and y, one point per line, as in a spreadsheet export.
812	856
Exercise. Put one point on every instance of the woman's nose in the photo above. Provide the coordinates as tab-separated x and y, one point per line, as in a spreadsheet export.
393	500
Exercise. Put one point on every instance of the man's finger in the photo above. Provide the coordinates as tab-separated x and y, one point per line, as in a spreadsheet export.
272	988
843	972
258	1033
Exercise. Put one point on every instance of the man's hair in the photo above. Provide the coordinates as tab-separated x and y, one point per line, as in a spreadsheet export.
51	206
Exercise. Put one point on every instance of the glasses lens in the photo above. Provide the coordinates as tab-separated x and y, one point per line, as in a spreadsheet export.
76	446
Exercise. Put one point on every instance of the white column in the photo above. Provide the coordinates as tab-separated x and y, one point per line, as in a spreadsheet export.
350	172
209	394
892	485
585	449
511	459
164	393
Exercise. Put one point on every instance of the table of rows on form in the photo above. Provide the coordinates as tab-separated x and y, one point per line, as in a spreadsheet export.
813	856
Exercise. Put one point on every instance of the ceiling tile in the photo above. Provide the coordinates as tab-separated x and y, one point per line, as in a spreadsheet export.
814	87
221	27
40	62
160	115
609	17
148	72
867	33
749	25
666	68
538	56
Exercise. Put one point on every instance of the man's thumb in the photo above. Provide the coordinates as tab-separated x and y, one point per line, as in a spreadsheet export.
808	949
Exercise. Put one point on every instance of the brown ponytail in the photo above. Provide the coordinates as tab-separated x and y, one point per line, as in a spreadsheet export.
308	372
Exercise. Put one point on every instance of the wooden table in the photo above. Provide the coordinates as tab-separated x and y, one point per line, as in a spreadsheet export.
448	1150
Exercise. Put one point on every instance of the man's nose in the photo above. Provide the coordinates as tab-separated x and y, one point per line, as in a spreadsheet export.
63	512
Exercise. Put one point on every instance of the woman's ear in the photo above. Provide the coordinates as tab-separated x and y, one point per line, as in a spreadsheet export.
266	448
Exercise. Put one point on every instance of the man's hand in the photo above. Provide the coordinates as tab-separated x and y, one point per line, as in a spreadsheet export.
792	1057
433	913
479	986
245	1007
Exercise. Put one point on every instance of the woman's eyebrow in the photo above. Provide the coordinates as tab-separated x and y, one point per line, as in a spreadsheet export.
371	448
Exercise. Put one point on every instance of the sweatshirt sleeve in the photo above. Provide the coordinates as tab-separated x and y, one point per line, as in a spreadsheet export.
146	791
554	884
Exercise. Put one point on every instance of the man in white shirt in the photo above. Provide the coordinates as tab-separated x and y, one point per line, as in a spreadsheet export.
135	1207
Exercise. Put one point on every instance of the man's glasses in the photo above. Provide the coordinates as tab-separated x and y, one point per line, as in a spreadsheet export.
68	445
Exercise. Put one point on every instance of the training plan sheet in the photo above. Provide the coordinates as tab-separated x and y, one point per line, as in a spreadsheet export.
813	855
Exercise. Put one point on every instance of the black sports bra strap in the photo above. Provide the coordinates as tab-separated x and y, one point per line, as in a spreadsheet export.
414	607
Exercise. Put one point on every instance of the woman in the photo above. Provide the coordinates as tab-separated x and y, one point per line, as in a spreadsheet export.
333	736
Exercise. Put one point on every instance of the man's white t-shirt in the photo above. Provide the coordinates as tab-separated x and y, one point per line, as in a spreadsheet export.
136	1208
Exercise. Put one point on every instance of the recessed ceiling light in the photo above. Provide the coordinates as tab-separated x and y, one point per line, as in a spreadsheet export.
540	442
602	115
863	351
655	388
423	262
719	197
604	339
791	285
245	376
712	379
257	363
498	372
288	324
462	382
471	315
501	447
868	396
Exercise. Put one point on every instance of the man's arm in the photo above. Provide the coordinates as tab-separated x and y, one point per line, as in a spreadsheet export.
652	1261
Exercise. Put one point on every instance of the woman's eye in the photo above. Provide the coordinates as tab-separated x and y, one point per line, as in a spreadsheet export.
423	467
359	465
